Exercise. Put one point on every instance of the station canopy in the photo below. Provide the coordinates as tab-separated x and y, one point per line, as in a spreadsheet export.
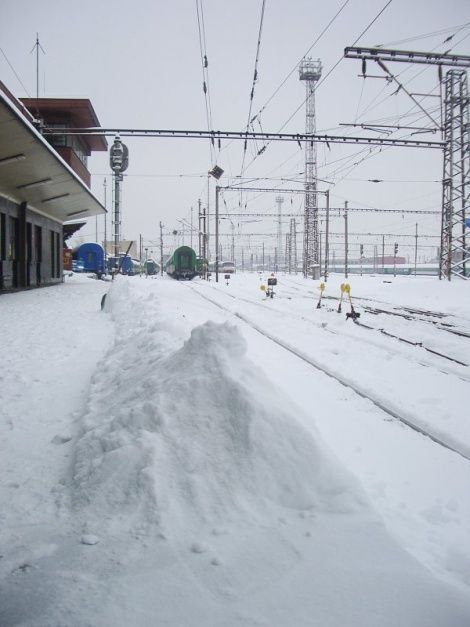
31	170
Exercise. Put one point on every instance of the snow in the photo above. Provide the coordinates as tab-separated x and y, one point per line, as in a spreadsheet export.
163	461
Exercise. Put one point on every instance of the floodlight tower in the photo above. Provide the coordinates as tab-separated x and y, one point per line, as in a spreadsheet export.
310	72
279	201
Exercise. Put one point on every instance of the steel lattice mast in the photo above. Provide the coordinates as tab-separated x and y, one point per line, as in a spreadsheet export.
279	201
455	252
310	72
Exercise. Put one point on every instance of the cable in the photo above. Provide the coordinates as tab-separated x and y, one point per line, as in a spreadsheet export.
205	72
329	73
426	35
255	78
303	56
14	72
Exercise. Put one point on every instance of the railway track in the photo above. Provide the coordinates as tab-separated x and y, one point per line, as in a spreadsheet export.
356	338
408	313
385	407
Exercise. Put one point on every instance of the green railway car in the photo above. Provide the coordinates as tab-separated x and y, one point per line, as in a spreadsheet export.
182	264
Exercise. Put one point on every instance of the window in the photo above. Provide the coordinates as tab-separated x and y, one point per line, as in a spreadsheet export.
3	245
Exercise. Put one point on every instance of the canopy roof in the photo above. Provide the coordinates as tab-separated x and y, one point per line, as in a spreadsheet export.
32	171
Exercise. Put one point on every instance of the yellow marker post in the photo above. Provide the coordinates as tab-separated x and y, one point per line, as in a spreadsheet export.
343	289
322	287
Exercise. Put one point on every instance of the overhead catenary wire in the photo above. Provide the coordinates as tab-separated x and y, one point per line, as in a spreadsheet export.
276	91
255	79
323	79
205	73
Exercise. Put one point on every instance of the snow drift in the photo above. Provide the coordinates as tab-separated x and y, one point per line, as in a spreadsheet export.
206	439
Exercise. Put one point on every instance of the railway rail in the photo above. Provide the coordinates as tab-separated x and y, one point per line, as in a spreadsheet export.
387	408
378	330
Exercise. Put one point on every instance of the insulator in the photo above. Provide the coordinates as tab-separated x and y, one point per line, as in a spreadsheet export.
364	66
206	63
439	72
204	87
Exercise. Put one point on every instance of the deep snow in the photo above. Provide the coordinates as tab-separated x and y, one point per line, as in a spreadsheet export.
163	463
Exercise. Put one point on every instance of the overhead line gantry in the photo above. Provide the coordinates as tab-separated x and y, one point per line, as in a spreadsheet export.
455	127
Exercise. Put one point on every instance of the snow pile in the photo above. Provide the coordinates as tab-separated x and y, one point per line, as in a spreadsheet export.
201	495
200	437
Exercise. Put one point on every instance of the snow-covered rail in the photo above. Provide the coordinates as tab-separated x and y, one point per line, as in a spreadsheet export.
380	403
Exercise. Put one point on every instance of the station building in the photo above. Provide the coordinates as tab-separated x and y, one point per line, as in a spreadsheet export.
44	183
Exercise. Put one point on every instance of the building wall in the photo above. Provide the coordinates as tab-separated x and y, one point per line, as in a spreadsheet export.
70	157
30	248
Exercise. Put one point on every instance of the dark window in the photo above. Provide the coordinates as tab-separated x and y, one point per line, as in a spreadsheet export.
3	245
52	252
58	255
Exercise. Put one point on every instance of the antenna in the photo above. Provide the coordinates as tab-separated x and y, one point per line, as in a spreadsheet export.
36	46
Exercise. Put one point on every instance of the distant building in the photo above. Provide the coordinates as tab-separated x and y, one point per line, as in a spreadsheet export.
41	186
123	248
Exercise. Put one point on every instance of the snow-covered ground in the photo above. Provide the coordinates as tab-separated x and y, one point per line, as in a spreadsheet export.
198	455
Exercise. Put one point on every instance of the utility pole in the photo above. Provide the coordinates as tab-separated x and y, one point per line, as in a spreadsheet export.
416	246
327	245
279	201
191	236
217	189
105	234
346	239
161	247
199	231
204	244
383	254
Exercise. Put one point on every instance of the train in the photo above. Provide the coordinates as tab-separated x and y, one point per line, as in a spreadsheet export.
125	264
182	264
225	267
89	257
150	266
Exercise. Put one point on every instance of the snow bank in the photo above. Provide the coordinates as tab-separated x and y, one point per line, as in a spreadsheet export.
200	437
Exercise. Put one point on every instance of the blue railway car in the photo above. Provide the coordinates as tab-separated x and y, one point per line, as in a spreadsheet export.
90	257
125	264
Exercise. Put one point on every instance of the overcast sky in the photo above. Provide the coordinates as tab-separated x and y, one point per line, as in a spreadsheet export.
140	65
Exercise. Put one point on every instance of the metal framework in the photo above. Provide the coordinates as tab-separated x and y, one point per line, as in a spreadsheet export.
279	201
218	135
455	251
407	56
310	72
292	262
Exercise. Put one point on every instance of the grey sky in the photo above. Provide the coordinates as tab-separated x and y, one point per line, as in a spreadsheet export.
140	65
